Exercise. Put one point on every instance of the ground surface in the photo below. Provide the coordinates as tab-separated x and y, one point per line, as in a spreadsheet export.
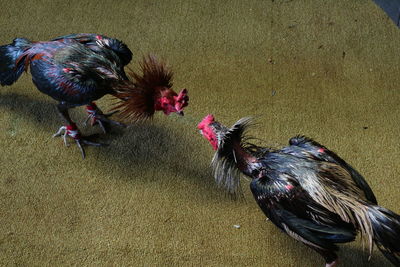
326	69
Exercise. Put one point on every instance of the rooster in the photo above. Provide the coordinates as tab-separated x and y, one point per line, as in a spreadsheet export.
75	73
305	189
102	45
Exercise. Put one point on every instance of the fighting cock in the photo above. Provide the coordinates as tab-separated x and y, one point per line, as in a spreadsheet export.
77	71
306	190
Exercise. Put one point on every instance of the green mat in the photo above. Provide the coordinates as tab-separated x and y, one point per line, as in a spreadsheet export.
326	69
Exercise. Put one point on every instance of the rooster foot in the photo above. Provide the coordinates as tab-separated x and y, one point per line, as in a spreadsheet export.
73	132
332	264
96	116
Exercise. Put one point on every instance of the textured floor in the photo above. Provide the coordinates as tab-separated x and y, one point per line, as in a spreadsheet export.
326	69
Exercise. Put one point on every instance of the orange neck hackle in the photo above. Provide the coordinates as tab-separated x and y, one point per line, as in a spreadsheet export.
149	92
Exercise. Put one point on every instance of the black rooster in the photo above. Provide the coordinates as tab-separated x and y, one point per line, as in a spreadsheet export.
78	69
306	190
103	46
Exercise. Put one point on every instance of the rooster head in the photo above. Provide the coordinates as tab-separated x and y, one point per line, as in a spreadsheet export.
149	91
233	153
171	102
209	128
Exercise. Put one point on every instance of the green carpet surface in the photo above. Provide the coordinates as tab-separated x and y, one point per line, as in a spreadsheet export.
325	69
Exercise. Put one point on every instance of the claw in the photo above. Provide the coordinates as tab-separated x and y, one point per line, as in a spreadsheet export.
81	141
78	143
100	123
90	143
104	118
87	119
98	117
73	132
69	130
62	132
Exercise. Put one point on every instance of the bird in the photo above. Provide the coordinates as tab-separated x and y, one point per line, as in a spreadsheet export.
76	73
305	189
102	45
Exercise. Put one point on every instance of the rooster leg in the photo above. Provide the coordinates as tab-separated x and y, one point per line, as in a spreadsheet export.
62	109
331	259
332	264
71	130
97	116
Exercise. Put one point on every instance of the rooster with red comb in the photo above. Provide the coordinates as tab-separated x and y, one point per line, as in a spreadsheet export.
77	70
305	189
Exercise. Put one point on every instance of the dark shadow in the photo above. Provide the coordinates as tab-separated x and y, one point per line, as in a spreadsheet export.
148	145
139	146
152	146
43	113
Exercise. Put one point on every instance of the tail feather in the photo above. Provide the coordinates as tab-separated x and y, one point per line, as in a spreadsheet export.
10	71
386	229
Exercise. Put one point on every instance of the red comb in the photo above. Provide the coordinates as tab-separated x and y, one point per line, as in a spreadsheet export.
207	131
206	121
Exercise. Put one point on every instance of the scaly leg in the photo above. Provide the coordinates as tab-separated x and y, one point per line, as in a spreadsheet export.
96	116
71	130
332	264
331	259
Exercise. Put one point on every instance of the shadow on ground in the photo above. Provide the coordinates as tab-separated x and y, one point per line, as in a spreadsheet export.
165	147
161	146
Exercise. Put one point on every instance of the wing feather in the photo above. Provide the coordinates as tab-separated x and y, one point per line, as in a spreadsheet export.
333	187
293	213
320	152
